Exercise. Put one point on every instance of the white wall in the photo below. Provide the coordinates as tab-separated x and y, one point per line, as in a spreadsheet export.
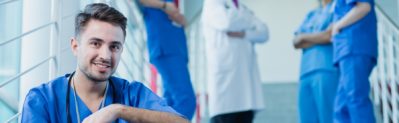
192	8
278	60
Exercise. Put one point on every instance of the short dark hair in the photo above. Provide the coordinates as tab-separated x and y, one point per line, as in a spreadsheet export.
101	12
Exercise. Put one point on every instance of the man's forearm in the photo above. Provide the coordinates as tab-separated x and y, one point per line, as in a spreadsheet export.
317	38
137	115
153	3
360	10
309	39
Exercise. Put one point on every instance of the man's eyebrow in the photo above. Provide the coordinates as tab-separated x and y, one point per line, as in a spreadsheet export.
116	42
101	40
96	39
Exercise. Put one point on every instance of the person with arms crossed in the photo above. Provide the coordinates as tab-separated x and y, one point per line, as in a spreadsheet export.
318	75
231	32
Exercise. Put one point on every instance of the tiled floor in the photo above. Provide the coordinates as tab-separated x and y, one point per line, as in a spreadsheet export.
280	104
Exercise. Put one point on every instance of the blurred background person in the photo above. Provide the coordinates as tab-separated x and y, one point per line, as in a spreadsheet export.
167	46
231	32
318	76
355	53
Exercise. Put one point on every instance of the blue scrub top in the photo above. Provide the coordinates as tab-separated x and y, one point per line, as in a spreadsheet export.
317	57
359	38
47	102
164	38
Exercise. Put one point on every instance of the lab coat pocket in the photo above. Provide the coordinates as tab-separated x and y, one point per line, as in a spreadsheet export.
221	60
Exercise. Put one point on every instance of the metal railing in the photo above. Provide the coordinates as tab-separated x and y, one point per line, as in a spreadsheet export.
54	34
385	78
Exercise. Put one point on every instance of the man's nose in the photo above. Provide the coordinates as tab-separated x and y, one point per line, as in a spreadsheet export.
105	53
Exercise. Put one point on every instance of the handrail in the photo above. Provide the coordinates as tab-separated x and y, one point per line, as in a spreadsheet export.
385	15
11	104
10	101
30	69
13	117
7	1
26	71
33	30
26	33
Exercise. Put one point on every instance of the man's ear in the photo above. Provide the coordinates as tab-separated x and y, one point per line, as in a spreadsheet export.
74	46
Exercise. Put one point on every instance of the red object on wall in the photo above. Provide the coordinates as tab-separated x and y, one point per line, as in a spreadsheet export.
154	77
176	3
198	107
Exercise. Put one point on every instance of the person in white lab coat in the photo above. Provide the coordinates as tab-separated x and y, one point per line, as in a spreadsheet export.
231	31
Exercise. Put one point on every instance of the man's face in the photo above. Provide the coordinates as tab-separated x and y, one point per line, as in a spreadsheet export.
98	49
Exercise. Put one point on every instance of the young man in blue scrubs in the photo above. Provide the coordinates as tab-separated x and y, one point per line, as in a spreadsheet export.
168	52
355	53
319	77
91	93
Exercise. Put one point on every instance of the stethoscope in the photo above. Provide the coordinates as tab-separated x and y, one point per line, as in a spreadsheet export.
69	119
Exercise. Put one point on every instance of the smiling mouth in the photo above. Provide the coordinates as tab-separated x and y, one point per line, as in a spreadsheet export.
102	65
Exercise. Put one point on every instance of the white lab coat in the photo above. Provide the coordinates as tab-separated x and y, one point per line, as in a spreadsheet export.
234	83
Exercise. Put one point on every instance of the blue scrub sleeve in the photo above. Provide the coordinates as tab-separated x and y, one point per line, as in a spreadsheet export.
349	2
302	28
35	108
149	100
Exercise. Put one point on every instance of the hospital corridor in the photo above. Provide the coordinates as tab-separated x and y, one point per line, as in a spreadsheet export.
199	61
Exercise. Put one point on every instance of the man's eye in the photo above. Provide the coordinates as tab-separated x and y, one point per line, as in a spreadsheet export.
96	44
115	47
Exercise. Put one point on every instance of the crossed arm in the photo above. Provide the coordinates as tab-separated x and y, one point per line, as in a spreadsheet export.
306	40
360	10
168	7
257	32
131	114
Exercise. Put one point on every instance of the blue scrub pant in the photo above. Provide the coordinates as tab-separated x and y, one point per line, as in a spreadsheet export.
316	96
352	104
177	88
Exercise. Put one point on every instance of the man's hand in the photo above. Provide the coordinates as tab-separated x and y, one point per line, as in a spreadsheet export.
105	115
236	34
174	14
336	28
300	43
359	11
